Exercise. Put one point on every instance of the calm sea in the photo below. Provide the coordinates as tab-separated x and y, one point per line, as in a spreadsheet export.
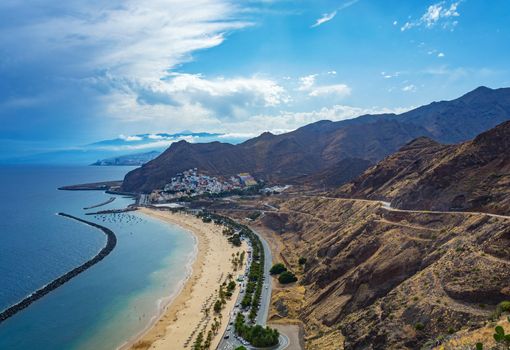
107	304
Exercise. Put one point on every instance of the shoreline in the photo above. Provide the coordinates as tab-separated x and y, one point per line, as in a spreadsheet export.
164	303
111	242
182	316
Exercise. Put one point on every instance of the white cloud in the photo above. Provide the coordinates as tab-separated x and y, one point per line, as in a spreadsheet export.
409	88
441	13
130	138
341	90
135	39
440	55
156	137
387	75
308	84
256	90
326	17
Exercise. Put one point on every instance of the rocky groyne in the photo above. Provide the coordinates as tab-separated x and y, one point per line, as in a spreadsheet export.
111	199
111	242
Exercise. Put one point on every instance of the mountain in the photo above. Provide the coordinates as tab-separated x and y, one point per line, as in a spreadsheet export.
119	147
471	176
383	278
322	146
129	160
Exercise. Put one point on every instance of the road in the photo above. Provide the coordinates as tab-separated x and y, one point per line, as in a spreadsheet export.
232	342
387	206
265	299
265	302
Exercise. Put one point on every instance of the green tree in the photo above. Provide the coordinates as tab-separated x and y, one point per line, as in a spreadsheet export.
217	306
277	269
287	277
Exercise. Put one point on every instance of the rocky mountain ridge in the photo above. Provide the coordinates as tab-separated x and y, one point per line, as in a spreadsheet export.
471	176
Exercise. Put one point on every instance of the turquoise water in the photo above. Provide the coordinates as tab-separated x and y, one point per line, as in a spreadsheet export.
106	305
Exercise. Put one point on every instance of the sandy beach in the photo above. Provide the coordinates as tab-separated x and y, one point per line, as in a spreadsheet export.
184	317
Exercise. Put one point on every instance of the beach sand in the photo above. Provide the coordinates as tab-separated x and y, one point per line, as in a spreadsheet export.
184	317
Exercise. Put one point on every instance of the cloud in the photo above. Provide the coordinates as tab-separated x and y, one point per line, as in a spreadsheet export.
136	39
334	89
326	17
409	88
441	13
287	120
130	138
307	82
387	75
440	55
308	85
226	98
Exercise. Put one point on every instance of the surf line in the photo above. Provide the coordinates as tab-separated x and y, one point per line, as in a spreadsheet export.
111	242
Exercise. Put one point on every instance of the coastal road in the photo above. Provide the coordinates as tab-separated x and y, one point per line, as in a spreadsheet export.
265	301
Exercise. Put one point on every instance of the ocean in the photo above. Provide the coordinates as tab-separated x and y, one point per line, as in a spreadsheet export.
109	303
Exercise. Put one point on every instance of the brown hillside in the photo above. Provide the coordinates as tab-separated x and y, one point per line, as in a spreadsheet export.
472	176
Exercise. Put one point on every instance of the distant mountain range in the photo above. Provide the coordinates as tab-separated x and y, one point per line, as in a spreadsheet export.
122	148
325	146
128	160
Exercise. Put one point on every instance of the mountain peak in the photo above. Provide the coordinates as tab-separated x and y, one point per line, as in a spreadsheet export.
420	142
481	92
266	134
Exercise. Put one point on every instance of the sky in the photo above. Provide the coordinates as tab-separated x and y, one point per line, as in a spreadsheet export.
80	71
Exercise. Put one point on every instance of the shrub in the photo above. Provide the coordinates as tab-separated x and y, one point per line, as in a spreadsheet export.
419	326
500	335
287	277
254	215
235	240
277	269
302	261
217	306
505	306
241	348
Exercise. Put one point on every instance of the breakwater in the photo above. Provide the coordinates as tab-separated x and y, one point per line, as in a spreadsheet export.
111	199
111	242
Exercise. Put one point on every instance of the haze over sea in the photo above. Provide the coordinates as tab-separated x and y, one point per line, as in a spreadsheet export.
107	304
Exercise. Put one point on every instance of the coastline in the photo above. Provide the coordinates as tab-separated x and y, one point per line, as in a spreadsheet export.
180	315
111	242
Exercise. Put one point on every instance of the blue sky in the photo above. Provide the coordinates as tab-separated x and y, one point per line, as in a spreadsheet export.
82	71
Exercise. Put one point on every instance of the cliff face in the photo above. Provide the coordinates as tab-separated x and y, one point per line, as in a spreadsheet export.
322	146
472	176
